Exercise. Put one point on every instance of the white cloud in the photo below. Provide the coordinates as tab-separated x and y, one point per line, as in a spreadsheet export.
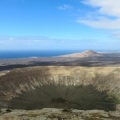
43	43
65	7
110	9
24	42
102	23
18	38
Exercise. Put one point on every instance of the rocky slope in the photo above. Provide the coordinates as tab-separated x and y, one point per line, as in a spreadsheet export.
61	87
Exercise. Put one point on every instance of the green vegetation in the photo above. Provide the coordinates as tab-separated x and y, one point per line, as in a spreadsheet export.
61	96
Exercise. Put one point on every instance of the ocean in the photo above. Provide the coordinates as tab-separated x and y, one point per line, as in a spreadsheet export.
39	53
34	54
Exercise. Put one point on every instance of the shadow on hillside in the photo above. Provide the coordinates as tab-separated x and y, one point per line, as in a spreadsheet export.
61	96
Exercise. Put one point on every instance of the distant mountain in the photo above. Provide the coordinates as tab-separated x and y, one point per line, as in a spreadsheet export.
85	58
86	53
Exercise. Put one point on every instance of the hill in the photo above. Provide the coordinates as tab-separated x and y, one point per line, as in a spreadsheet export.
87	53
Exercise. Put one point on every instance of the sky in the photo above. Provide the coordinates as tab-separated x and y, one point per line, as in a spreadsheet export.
59	24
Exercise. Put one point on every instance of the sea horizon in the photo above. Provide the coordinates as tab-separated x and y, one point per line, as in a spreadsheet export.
11	54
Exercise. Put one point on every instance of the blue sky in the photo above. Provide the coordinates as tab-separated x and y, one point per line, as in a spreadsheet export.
59	24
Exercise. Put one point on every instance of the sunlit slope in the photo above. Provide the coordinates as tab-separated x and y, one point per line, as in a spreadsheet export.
55	83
